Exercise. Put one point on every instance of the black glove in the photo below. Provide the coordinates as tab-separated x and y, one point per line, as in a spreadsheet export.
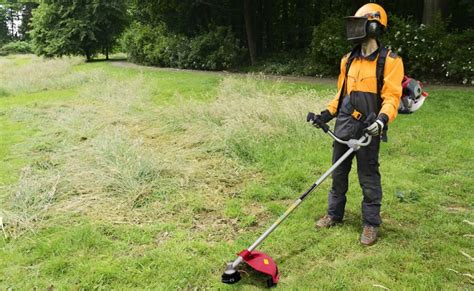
315	120
376	128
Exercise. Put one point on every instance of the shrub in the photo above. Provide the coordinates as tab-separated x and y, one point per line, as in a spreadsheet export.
431	52
216	49
328	46
17	47
143	43
289	63
428	52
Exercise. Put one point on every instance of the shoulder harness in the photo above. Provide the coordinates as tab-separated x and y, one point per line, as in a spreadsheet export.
383	52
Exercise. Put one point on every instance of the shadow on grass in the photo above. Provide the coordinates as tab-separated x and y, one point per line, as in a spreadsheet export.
250	277
119	59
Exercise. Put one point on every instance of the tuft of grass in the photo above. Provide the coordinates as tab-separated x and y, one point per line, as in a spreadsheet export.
38	74
30	201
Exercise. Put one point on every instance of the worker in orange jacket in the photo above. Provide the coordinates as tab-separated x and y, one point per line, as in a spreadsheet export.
362	90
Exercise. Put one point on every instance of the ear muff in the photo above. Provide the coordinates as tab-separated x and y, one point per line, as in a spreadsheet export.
374	29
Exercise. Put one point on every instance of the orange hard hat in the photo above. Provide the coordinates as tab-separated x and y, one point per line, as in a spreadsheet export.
373	12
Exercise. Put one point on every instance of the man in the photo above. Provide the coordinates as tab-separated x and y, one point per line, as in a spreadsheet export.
360	93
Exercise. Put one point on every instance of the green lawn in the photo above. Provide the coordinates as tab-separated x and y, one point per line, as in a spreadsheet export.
118	177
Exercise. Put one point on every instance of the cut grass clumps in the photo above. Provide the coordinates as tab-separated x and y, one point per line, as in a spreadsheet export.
121	160
246	112
131	171
30	201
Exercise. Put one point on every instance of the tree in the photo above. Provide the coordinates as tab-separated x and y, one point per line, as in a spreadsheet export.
26	14
431	8
110	21
78	28
4	31
249	12
13	18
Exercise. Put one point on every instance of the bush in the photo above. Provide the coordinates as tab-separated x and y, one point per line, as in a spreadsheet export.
216	49
141	42
289	63
322	58
328	46
17	47
431	52
428	52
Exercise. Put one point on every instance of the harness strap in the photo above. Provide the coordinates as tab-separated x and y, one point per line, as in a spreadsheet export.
383	52
380	74
344	88
380	81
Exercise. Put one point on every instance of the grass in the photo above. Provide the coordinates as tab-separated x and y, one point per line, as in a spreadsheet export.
118	177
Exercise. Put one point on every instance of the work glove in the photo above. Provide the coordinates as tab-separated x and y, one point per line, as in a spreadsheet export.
376	128
315	119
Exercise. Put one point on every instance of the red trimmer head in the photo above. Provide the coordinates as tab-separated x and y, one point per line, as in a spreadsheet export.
262	263
258	261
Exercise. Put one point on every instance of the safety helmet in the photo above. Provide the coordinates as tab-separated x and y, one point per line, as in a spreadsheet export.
369	21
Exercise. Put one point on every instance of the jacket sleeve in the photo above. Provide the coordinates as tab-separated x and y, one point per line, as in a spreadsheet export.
332	106
392	88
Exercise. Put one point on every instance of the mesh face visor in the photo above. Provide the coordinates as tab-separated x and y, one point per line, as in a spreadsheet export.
356	27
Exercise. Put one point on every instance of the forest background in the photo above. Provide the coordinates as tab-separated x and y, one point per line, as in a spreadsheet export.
283	37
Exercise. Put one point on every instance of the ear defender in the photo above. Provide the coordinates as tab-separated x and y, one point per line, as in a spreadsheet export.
374	29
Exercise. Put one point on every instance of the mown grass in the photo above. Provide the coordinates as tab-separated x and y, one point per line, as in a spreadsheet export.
117	177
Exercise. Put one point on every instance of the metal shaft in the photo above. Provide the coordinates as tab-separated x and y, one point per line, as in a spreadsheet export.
294	205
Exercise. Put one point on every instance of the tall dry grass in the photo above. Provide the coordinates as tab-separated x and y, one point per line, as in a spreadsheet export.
115	156
40	74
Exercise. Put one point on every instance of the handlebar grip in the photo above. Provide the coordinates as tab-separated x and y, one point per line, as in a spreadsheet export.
311	117
322	125
370	118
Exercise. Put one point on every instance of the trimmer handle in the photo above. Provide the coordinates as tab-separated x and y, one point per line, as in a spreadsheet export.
371	118
311	117
322	125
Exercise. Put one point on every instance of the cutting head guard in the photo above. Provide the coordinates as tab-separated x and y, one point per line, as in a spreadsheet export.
369	21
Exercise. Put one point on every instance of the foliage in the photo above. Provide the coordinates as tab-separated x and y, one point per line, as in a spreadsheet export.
4	31
428	52
17	47
215	50
280	25
26	14
293	63
328	46
432	53
77	28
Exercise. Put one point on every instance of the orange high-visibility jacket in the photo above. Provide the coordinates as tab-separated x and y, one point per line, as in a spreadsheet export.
361	80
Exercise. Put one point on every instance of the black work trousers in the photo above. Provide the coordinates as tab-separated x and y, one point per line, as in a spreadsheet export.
369	179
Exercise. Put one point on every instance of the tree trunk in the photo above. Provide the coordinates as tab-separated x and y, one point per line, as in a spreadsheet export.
12	26
88	55
431	8
268	25
107	50
249	13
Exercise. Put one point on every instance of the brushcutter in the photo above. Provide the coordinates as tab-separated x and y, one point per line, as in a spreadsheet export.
262	262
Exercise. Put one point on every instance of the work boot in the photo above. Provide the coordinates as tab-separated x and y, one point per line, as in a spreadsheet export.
326	221
369	235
